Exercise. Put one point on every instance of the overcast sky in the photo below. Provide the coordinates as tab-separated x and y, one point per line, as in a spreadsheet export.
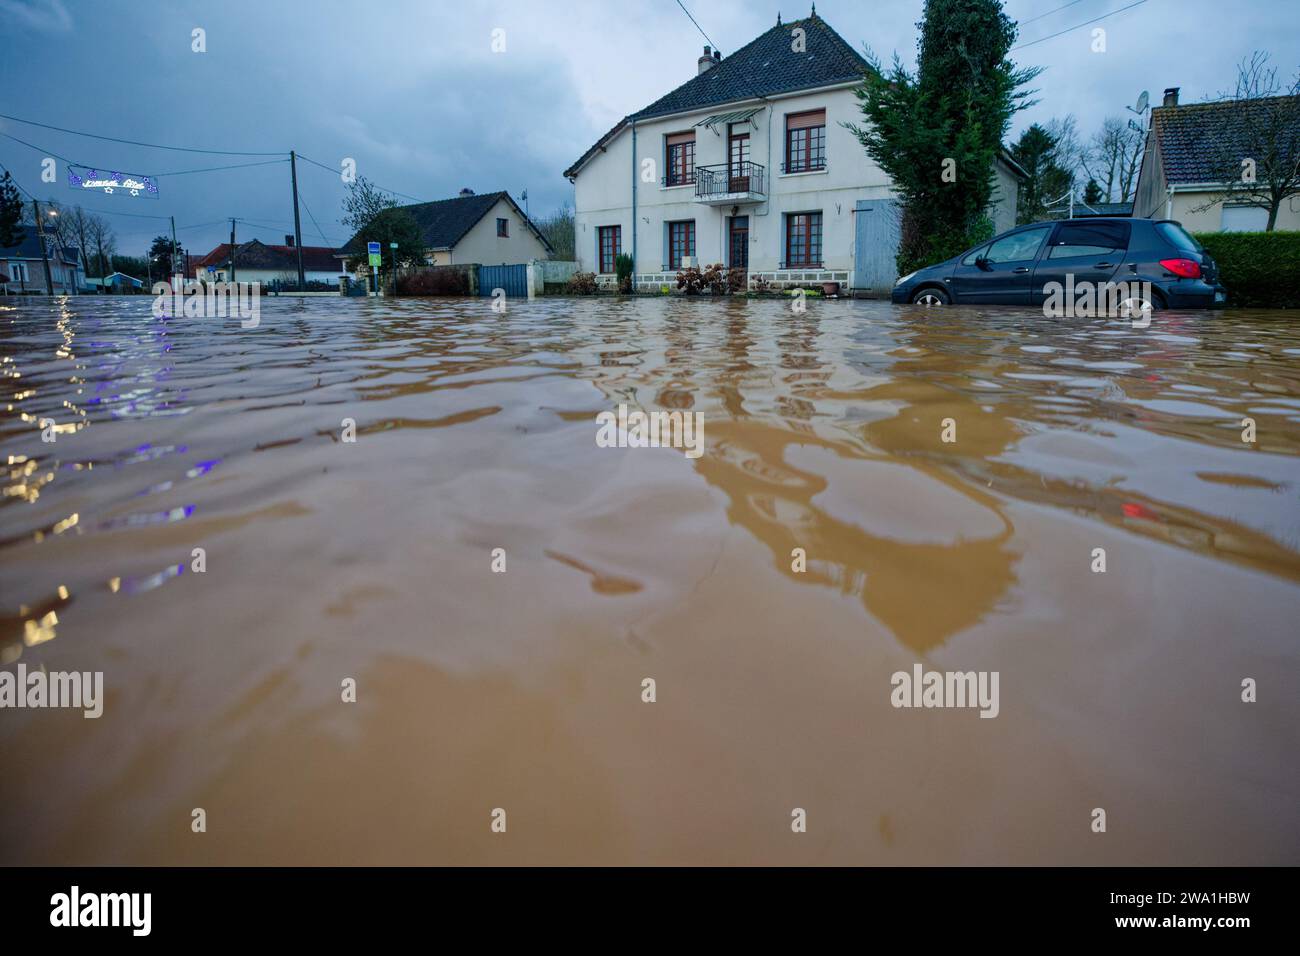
412	90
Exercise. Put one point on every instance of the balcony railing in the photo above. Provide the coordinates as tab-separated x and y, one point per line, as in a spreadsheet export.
730	181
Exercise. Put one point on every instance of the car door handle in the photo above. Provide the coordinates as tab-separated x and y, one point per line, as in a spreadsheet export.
1020	269
1103	265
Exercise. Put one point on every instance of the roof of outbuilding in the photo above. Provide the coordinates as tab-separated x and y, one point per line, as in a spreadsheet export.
765	66
1194	138
256	254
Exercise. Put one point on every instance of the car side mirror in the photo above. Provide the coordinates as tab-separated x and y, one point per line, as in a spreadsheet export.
982	263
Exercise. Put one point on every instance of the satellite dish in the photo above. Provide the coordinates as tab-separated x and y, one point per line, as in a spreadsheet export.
1143	100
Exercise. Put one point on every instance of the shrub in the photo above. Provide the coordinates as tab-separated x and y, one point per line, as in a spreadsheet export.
736	280
760	284
623	267
711	278
438	280
581	283
1259	269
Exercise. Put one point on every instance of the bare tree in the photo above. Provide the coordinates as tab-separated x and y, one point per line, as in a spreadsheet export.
363	203
1067	153
1255	140
76	222
1113	158
558	230
101	237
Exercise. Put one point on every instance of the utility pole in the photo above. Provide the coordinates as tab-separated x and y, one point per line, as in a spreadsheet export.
232	249
45	256
297	224
177	267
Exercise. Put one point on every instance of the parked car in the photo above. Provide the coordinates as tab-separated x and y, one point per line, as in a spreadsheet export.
1019	266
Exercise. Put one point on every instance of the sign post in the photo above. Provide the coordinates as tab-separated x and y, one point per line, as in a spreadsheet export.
372	250
393	248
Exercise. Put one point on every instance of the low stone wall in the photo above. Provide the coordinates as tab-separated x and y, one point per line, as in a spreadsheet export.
780	279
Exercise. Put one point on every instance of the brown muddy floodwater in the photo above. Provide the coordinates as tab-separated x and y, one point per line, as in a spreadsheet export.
372	560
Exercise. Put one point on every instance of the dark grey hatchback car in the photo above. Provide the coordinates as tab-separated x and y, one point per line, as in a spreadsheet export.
1024	265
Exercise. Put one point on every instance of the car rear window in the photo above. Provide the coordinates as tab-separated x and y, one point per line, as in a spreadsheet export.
1178	237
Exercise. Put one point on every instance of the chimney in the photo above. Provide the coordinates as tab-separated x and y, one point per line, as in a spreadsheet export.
706	61
1171	96
717	56
288	241
467	191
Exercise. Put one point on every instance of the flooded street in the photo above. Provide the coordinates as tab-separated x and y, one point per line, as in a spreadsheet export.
372	559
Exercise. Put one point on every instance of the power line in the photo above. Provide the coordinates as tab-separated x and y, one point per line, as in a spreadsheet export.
319	231
697	26
132	142
1077	26
330	169
179	172
1049	12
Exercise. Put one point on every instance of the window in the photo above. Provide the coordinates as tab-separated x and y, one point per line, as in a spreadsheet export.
1017	247
609	241
803	240
1178	237
681	242
970	259
680	159
1244	219
1088	239
18	271
805	141
503	228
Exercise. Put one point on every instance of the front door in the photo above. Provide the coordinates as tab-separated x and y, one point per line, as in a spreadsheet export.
737	161
739	244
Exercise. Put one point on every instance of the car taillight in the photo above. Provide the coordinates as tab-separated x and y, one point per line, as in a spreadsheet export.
1183	268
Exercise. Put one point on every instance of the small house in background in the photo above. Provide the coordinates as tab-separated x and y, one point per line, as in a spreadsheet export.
22	268
256	261
1181	175
117	283
489	229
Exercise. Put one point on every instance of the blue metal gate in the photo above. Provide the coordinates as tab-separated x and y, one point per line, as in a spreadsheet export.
876	238
514	279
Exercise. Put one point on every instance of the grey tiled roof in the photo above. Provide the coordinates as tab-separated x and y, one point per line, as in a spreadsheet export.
1194	139
763	67
444	222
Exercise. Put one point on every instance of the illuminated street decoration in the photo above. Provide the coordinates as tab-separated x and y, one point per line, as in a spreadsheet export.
133	184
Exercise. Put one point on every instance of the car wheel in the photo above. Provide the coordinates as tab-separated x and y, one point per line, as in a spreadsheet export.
931	296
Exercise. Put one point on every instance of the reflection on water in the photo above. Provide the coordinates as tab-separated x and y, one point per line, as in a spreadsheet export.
325	558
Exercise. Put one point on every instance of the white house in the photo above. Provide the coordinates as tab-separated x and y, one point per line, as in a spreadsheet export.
487	229
256	261
748	164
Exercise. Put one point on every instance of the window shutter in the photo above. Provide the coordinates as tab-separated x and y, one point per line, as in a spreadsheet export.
805	120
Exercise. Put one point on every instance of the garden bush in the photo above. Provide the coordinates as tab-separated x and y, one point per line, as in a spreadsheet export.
582	283
437	280
1259	269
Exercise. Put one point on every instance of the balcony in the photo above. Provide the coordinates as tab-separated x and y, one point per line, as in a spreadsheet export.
730	184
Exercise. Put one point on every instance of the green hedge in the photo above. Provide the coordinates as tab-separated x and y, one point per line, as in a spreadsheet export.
1260	269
